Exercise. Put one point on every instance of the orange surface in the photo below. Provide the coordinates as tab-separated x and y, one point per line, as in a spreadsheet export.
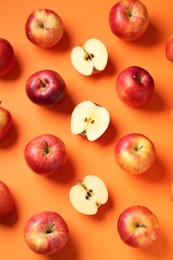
91	237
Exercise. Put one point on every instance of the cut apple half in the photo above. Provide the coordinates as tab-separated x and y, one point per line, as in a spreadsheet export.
90	57
88	195
89	120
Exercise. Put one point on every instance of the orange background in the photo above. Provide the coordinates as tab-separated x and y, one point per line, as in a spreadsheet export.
91	237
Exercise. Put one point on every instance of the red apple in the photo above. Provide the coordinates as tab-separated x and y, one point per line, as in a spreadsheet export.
5	122
128	19
6	200
45	154
45	88
44	28
7	57
138	226
46	233
169	48
135	153
134	86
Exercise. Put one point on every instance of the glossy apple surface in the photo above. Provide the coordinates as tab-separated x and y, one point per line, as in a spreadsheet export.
134	86
169	49
6	200
135	153
44	28
7	57
45	88
45	154
128	19
46	233
6	122
138	226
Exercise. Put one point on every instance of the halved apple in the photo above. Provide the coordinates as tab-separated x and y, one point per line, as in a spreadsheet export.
89	120
90	57
88	195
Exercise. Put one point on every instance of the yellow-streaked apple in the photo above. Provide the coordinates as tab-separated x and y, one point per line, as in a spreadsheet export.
135	153
129	19
89	120
90	57
46	233
6	122
138	226
44	28
134	86
45	154
88	195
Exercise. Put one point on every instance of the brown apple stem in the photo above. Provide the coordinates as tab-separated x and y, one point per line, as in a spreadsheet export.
46	147
43	83
49	230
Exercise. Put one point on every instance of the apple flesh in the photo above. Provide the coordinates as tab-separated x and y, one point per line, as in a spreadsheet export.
46	233
135	153
134	86
45	88
89	120
6	200
5	122
169	49
128	19
138	226
44	28
88	195
90	57
7	57
45	154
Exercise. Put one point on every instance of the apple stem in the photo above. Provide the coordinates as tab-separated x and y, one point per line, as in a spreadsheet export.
43	83
139	148
46	147
49	230
0	102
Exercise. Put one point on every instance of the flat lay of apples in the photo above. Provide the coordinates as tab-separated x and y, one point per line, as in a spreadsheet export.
45	155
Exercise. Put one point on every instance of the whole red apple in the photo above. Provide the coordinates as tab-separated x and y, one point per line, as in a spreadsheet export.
44	28
137	226
6	200
135	153
7	57
169	49
45	154
46	233
128	19
5	122
134	86
45	88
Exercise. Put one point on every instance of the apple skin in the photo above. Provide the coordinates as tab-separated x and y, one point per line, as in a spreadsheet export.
138	226
169	49
6	122
44	28
46	88
6	200
7	57
134	86
128	19
46	233
45	154
135	153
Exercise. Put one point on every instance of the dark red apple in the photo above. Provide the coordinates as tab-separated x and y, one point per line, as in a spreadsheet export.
134	86
7	57
45	88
